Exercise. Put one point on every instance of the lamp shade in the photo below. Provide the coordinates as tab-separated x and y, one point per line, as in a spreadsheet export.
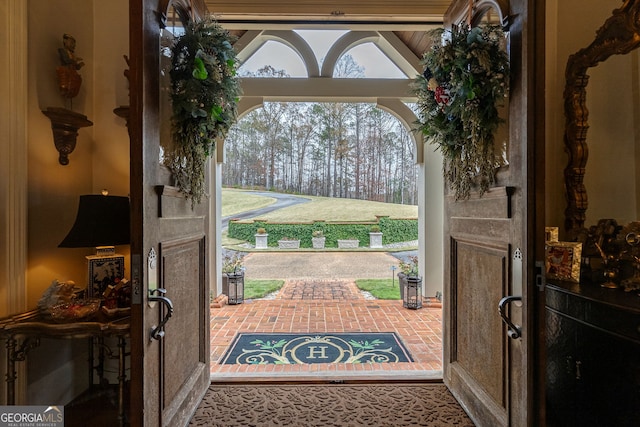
101	221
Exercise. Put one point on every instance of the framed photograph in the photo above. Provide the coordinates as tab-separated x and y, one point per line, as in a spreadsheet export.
103	271
562	261
551	234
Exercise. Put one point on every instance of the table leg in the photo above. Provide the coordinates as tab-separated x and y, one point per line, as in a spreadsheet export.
11	371
122	376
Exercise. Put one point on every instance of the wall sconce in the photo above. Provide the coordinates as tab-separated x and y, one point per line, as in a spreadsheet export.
65	124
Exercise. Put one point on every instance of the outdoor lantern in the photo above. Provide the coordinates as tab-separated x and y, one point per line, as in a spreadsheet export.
235	281
412	297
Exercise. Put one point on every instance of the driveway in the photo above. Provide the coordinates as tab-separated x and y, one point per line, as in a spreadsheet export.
321	265
282	201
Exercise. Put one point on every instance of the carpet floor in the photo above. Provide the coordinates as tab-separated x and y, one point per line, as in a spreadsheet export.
330	405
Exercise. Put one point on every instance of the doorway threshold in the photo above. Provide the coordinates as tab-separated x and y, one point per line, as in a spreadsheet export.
328	376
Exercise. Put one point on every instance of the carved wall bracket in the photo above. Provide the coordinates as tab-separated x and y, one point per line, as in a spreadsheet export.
65	124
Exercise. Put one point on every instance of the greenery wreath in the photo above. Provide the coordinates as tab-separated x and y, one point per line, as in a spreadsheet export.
204	96
465	80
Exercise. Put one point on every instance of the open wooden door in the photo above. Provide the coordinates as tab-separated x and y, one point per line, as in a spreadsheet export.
490	247
170	316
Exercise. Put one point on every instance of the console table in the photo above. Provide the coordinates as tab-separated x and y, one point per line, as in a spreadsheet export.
23	332
593	356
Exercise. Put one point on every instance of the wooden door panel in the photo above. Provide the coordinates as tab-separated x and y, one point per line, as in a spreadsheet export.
479	282
182	348
480	246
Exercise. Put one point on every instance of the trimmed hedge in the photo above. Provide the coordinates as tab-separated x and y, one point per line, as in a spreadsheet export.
393	230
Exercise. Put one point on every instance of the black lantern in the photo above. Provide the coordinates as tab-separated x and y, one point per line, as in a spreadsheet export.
412	297
235	282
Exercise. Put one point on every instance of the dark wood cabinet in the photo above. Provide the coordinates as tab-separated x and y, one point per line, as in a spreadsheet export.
593	356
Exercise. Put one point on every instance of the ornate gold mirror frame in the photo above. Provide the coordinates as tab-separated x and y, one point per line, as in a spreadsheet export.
619	35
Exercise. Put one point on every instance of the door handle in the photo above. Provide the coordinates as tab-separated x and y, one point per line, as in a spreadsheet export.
513	331
157	332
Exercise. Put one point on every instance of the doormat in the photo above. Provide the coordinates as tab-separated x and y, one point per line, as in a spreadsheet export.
288	349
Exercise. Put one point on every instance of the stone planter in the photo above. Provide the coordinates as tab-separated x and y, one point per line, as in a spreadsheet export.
288	244
261	241
348	244
375	240
318	242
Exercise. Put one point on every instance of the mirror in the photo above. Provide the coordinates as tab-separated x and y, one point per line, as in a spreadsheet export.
619	35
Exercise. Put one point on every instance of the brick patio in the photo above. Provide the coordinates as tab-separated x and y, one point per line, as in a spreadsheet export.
329	305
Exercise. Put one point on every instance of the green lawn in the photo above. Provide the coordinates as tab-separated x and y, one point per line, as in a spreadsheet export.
380	288
237	201
260	288
320	208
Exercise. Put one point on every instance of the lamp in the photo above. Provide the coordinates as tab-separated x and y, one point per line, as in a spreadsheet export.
412	297
235	281
102	222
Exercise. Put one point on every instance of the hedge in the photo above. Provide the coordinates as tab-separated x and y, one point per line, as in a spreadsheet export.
393	231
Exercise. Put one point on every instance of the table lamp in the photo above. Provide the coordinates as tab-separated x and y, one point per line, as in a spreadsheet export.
102	222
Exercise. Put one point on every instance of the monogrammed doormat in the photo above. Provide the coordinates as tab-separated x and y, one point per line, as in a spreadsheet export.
343	347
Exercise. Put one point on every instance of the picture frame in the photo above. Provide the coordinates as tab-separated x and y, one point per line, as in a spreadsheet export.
551	234
103	271
562	261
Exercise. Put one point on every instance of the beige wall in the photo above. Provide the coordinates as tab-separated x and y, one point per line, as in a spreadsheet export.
101	157
611	97
100	160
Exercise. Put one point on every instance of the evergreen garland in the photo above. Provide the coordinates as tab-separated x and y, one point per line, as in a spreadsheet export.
204	97
465	80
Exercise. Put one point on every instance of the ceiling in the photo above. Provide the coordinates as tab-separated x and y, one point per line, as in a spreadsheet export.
408	19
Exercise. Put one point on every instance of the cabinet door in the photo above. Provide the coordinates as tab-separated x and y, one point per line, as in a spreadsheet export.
561	402
610	379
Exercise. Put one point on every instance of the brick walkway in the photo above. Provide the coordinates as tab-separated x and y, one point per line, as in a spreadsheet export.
328	305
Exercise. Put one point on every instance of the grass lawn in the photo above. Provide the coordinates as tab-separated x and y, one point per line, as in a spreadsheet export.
320	208
237	201
380	288
260	288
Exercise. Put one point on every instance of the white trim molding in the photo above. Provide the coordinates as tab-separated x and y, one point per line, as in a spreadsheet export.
13	164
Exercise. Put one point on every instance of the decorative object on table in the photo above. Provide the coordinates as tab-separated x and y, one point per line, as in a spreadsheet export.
464	82
318	239
562	261
631	257
601	250
322	347
76	310
375	237
551	234
57	293
204	95
261	238
65	122
102	222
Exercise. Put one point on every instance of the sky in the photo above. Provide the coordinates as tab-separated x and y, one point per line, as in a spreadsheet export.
279	56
